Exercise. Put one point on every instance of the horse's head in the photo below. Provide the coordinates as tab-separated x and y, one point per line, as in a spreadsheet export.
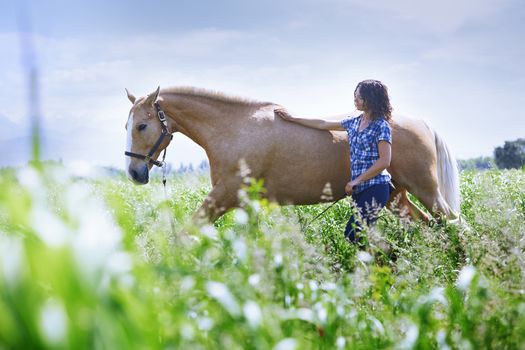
144	140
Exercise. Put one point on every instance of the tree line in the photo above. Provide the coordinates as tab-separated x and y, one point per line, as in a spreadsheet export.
509	156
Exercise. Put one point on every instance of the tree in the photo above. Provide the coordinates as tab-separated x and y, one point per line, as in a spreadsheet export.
479	163
511	155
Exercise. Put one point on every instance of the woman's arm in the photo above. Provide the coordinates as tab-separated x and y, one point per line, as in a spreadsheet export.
311	123
385	155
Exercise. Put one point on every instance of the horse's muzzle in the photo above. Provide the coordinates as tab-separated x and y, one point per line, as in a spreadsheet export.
139	175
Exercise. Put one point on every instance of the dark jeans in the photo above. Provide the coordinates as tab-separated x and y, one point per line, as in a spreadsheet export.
369	202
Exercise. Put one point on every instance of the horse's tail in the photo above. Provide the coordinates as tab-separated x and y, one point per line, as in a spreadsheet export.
448	174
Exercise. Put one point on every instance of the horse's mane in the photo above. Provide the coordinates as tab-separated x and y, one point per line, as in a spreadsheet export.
211	94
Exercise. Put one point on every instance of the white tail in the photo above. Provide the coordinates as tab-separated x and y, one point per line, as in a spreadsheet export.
448	174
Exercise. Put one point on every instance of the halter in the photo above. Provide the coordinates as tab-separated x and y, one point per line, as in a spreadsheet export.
147	158
164	133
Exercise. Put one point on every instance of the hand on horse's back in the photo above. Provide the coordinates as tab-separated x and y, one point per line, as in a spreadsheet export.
283	113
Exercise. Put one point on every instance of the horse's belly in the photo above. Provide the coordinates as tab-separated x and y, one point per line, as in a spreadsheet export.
313	178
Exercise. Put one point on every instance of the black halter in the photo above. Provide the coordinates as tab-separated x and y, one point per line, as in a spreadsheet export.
165	133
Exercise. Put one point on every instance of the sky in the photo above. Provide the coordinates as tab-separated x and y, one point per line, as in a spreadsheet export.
456	64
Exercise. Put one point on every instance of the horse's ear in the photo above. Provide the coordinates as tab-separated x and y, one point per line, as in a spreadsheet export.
130	96
150	100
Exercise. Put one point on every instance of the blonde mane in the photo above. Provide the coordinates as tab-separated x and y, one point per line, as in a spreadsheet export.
213	95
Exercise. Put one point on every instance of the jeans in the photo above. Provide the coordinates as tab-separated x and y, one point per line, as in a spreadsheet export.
369	202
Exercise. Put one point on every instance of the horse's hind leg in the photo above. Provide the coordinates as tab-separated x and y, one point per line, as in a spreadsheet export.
435	202
401	203
437	205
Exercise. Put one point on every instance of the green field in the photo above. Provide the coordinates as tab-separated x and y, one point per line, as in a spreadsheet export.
95	264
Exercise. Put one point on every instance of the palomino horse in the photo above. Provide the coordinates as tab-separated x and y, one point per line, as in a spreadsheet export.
295	162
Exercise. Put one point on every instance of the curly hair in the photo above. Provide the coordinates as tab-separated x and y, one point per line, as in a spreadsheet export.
375	96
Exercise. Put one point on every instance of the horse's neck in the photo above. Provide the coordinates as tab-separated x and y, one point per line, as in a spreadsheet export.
204	120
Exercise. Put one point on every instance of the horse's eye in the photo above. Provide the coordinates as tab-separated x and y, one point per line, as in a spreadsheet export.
141	127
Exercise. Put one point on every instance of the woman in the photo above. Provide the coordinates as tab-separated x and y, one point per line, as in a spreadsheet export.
370	140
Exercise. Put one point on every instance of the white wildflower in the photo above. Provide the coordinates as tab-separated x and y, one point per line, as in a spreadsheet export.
254	279
187	331
437	294
187	283
300	296
209	231
313	285
240	249
30	179
340	342
441	338
241	217
411	336
120	262
305	314
364	257
222	294
327	192
205	323
256	206
48	226
97	237
340	310
278	260
11	255
53	322
126	281
322	314
328	286
244	170
286	344
378	325
465	277
253	313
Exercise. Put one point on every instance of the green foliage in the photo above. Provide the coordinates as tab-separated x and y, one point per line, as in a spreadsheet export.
511	155
94	263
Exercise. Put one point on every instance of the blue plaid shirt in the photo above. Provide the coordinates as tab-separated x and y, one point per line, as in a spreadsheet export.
364	151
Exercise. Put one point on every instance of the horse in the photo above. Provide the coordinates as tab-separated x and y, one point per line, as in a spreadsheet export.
297	163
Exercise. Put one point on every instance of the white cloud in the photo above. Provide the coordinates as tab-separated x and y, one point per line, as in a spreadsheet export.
492	53
95	72
440	17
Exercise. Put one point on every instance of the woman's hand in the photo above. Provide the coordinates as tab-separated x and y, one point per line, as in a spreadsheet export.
320	124
349	188
283	113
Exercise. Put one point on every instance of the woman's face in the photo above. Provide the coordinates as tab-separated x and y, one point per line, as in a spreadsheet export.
358	101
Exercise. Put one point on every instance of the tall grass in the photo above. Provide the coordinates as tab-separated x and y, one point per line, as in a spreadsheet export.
93	263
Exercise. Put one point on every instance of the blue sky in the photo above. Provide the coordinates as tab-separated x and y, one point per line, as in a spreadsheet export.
456	64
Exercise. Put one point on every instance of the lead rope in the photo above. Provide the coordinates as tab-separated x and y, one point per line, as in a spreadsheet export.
164	172
324	211
162	117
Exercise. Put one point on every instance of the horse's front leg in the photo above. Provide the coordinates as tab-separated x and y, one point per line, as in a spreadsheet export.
217	202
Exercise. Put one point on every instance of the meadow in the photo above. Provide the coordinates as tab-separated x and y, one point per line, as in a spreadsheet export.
98	263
